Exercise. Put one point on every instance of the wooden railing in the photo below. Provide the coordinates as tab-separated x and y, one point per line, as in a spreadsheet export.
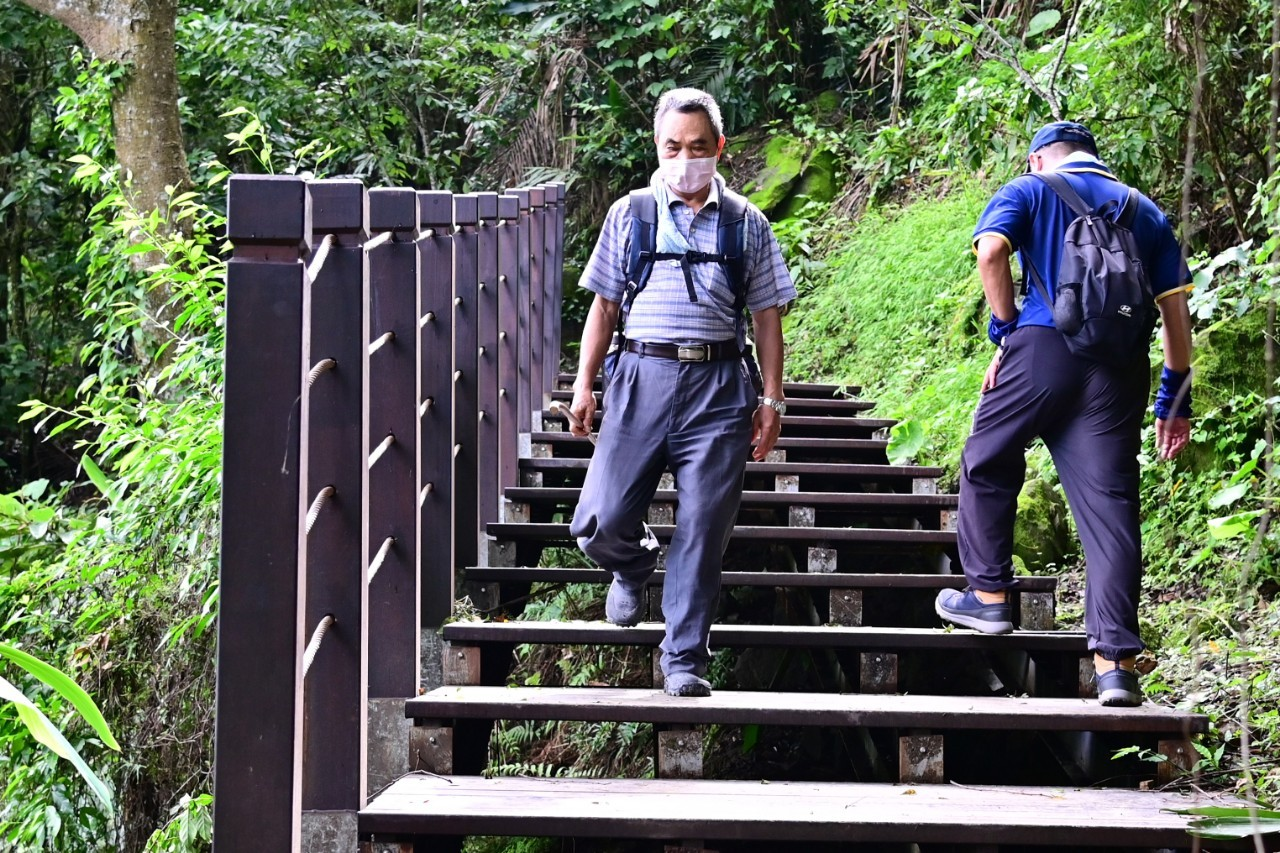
385	348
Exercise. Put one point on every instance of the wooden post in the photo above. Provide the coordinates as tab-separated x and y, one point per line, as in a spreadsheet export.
557	270
550	289
537	291
508	345
435	409
487	352
920	760
258	724
332	419
392	410
524	319
466	519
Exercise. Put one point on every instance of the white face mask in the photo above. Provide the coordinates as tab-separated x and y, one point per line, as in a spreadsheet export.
687	176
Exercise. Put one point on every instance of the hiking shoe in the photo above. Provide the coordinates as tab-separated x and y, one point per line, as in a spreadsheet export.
963	607
1119	688
624	603
685	684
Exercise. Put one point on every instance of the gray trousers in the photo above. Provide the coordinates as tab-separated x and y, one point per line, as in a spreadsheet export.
695	420
1090	416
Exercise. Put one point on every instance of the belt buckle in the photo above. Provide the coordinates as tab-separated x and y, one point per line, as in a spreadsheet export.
701	352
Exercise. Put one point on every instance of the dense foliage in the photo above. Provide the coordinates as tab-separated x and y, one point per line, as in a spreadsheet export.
872	133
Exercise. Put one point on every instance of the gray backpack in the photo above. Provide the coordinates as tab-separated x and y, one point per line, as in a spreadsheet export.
1103	302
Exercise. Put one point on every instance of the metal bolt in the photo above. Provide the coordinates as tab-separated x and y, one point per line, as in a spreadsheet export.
431	740
461	655
679	743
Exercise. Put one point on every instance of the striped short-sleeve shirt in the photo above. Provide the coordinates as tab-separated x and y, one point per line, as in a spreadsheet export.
662	313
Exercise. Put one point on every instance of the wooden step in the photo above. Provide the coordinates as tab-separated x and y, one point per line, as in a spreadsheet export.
767	636
873	503
828	470
741	707
790	389
865	450
812	580
798	425
789	813
796	405
511	531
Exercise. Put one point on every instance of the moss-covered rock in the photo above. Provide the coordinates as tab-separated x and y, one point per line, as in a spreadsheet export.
817	183
784	160
1041	533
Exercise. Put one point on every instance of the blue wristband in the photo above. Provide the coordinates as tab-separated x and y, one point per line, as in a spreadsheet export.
1170	383
998	330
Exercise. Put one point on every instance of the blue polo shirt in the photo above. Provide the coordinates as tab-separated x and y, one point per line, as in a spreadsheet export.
1030	217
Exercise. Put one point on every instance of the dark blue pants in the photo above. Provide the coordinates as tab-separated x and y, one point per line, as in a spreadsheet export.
691	418
1089	415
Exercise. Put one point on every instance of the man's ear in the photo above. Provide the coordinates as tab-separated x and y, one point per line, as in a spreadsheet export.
720	147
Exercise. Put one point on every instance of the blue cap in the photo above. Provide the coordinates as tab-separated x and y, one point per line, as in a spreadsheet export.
1064	131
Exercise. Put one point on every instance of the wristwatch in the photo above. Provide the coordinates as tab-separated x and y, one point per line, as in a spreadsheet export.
779	406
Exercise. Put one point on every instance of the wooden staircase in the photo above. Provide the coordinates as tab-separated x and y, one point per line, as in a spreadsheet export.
959	740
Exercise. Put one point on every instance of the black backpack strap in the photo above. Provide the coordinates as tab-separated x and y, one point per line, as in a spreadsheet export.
641	245
731	244
1129	212
1066	192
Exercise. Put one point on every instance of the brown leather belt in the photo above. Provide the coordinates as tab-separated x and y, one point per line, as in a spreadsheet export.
722	351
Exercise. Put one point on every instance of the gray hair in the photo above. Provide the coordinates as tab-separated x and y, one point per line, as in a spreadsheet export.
689	101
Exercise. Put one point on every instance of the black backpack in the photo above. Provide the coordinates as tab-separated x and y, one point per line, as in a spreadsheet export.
1103	304
731	238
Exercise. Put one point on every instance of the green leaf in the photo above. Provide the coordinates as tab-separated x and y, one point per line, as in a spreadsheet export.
905	440
1229	495
44	731
1046	20
1231	526
98	478
750	735
66	687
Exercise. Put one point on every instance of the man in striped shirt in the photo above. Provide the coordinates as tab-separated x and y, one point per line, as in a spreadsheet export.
680	398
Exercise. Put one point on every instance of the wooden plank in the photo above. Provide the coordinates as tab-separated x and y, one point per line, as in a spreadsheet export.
741	707
790	389
258	724
801	469
524	368
487	290
466	400
780	811
798	406
332	421
435	332
864	501
391	408
543	532
816	425
542	574
831	445
509	404
776	636
537	292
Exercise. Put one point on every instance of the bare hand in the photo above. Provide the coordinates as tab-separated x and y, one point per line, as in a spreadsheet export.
766	424
1172	436
583	408
989	378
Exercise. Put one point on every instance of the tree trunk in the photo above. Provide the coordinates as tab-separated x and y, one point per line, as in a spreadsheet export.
148	133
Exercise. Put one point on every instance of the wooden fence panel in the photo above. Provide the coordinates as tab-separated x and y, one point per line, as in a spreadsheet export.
257	726
487	353
509	342
465	399
391	410
331	419
435	348
537	293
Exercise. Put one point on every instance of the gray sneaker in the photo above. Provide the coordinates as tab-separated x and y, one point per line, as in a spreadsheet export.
1119	688
624	603
963	607
685	684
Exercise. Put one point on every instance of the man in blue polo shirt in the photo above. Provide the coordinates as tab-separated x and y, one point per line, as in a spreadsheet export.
1088	414
680	397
